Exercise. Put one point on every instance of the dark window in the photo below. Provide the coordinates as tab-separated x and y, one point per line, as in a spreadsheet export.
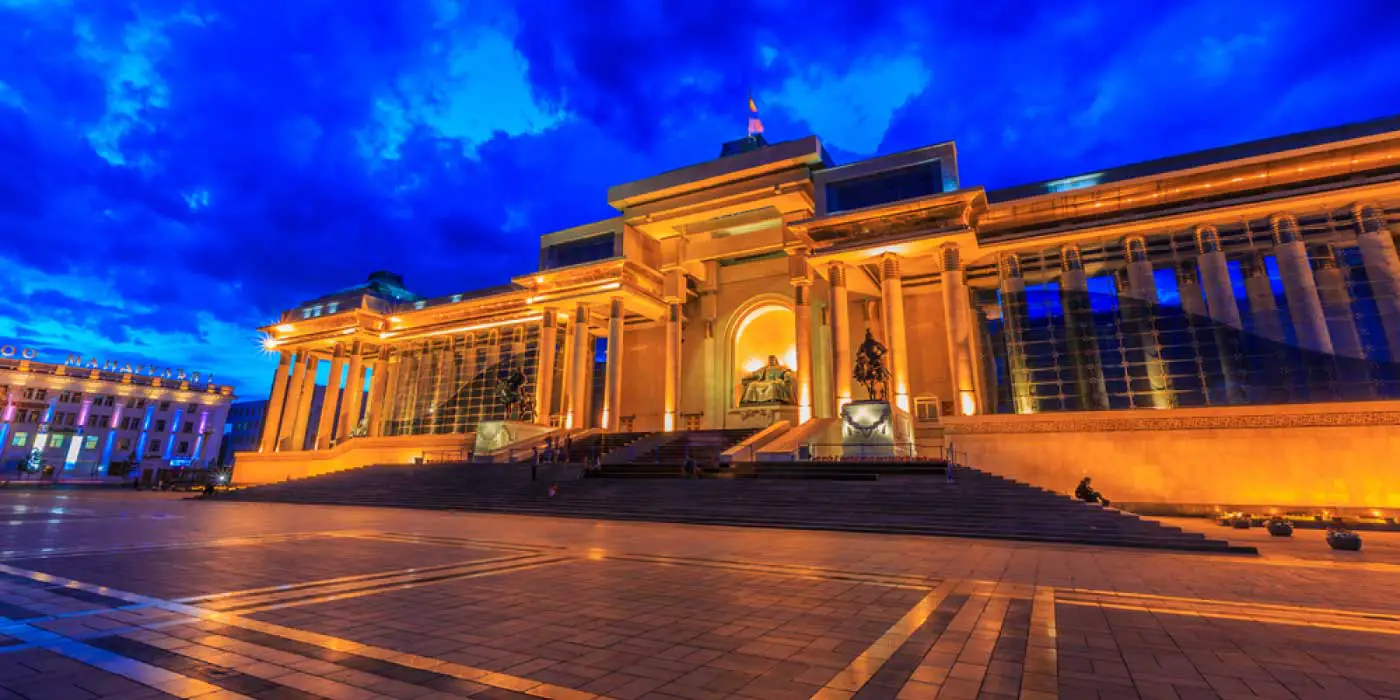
160	426
581	251
882	188
189	427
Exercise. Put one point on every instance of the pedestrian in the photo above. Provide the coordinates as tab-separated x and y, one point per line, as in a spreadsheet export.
535	464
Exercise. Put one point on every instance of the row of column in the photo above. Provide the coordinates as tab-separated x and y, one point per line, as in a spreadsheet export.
290	402
577	356
1319	304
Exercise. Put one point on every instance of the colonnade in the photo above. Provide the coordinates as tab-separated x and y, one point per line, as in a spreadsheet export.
289	405
1314	287
1319	309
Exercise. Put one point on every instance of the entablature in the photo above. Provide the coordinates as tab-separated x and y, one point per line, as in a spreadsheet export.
1272	175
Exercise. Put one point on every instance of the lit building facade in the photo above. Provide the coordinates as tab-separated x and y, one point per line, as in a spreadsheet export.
1039	329
82	416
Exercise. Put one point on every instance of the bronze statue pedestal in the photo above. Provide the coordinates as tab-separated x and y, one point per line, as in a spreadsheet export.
875	430
504	440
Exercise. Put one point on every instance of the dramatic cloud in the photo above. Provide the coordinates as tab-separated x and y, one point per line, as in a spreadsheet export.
176	171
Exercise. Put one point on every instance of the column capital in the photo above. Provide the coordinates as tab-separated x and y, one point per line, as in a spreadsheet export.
1367	217
837	274
950	257
889	267
802	295
549	317
1135	249
1071	259
1010	265
1207	239
615	308
1285	229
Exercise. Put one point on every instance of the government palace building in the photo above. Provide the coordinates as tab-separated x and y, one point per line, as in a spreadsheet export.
1221	327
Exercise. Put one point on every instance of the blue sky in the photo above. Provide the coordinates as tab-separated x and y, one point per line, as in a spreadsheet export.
177	172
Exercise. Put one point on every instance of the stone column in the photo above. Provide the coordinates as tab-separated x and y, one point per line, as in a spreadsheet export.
1215	278
892	298
1382	270
802	315
578	373
1263	308
1220	305
672	378
544	366
328	400
957	319
1336	305
354	395
1139	286
380	397
272	418
292	414
444	386
1299	286
1013	318
1080	332
840	336
612	395
1189	289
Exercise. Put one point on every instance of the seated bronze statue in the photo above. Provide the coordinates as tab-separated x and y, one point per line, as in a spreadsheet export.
769	384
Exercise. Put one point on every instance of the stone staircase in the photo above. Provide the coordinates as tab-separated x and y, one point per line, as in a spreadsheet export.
667	458
972	504
599	444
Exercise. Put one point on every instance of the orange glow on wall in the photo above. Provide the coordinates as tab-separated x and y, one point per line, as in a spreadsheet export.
767	330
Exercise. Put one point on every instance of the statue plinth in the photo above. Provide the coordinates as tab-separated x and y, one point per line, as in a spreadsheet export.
874	429
760	416
496	437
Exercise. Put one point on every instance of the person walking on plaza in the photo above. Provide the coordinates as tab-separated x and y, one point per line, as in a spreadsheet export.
535	464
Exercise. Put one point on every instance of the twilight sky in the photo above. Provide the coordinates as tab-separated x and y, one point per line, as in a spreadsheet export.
174	173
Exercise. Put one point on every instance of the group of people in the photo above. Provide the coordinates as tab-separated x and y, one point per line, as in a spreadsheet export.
560	454
554	453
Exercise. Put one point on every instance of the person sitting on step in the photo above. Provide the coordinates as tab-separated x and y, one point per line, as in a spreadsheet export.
1086	493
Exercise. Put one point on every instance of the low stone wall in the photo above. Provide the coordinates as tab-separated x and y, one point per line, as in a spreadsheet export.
252	468
1336	455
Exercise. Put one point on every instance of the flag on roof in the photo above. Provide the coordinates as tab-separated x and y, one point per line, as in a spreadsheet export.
755	124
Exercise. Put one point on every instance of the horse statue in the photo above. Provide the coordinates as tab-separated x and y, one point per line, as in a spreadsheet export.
870	368
510	394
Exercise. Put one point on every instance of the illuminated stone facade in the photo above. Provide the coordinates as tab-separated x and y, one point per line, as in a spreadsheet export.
1259	275
84	416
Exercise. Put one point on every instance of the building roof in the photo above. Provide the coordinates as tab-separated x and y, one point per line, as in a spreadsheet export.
1210	156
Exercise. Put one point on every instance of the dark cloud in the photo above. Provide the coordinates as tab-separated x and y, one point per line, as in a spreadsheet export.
176	173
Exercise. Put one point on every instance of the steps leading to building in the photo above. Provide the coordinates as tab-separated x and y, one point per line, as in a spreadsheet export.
973	504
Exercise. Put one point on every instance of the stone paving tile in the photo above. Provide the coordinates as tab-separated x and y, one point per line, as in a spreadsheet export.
45	675
658	611
178	573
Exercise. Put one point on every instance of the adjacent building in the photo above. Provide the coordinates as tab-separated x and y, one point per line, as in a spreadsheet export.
81	416
1218	326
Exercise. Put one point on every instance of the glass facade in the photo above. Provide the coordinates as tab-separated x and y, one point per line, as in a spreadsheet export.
897	185
448	384
584	250
1064	334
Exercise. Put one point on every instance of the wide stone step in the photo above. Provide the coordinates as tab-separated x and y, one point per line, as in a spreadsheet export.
972	504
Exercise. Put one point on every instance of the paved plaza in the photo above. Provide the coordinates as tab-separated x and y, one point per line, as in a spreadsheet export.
145	595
